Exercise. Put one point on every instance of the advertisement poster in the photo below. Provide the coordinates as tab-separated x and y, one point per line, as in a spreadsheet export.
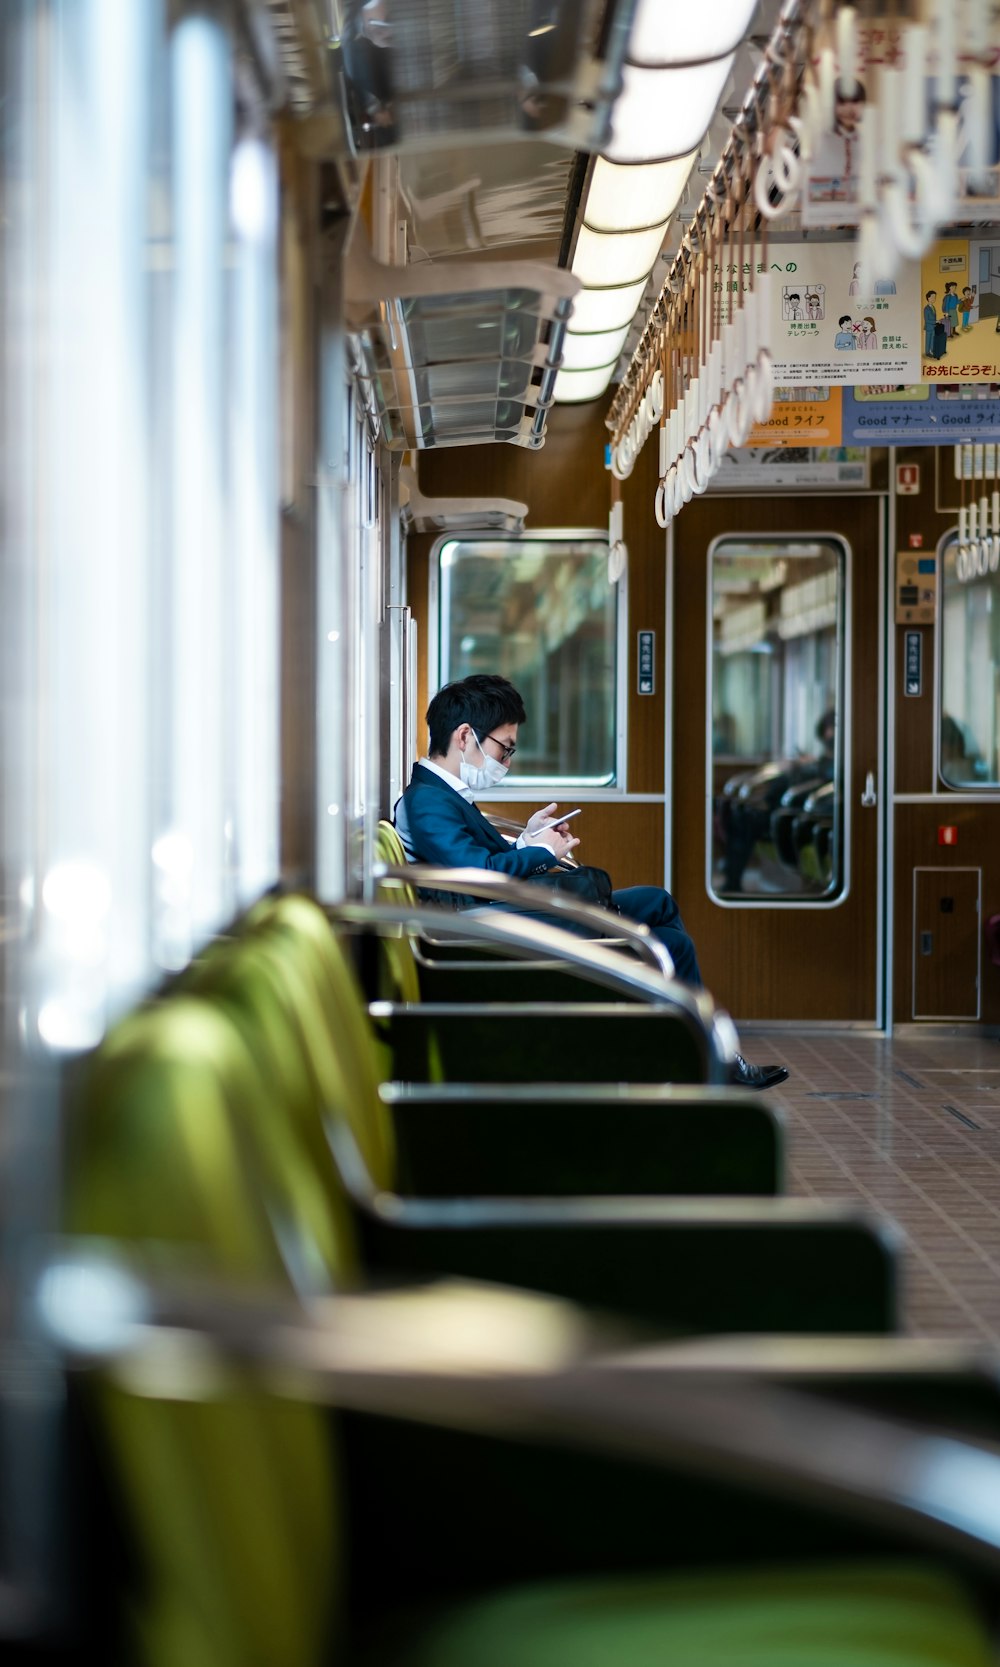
765	468
960	310
921	414
834	323
830	192
803	415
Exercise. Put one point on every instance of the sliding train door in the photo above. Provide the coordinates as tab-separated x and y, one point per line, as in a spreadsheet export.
775	758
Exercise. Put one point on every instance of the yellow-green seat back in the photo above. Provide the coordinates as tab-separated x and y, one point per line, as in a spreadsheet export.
389	849
399	979
231	1498
273	1002
335	1025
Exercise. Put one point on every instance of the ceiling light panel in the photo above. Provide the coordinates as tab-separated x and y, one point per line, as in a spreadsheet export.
712	30
665	112
606	309
645	194
575	386
616	257
601	348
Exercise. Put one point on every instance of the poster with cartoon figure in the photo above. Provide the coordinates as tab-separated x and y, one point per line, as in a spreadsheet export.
960	310
831	184
833	322
800	302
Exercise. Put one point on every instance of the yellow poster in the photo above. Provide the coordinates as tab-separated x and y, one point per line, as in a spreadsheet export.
960	307
801	416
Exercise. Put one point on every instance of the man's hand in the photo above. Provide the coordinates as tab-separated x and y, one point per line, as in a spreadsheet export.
541	820
543	829
560	844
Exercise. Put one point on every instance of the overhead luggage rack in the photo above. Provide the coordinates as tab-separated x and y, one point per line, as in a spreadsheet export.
437	72
420	514
457	353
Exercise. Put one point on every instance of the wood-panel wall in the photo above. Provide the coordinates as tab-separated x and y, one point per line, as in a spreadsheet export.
915	842
626	839
565	484
916	846
777	963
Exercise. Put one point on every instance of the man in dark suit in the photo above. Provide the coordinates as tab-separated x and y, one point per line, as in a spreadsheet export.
473	736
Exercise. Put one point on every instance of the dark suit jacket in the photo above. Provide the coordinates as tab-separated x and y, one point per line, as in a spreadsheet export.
442	827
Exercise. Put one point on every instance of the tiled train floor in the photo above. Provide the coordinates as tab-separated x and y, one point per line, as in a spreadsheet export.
910	1127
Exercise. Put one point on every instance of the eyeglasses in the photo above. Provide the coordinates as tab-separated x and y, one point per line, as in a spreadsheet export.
506	753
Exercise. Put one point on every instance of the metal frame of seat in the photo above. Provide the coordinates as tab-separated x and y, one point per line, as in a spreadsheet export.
613	930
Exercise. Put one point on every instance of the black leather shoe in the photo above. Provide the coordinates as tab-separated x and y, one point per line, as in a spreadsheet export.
744	1075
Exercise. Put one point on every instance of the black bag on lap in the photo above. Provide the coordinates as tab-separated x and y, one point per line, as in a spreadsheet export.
589	885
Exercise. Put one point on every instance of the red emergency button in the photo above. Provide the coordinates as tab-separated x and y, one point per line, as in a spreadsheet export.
947	836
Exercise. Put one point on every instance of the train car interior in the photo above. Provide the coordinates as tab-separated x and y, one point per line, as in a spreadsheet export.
500	518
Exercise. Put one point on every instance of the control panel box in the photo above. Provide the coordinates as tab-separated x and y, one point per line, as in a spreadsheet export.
916	587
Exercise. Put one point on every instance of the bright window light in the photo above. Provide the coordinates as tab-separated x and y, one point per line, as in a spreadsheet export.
201	707
583	352
620	198
574	386
709	31
254	475
616	257
253	202
606	309
665	112
88	671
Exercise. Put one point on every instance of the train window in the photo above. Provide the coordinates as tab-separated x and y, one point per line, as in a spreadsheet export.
775	748
541	611
969	705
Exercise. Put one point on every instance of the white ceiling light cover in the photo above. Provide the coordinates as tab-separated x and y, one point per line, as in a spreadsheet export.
665	112
601	348
616	257
645	194
574	386
708	31
606	309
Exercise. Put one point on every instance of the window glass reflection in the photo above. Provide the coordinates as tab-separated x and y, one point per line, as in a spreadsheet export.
777	677
969	733
542	613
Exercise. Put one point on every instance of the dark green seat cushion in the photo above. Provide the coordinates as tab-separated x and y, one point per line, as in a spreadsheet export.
836	1615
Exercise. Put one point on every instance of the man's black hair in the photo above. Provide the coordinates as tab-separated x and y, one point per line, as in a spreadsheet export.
484	701
930	292
845	319
795	298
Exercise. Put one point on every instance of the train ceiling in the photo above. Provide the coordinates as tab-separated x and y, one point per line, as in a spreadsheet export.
482	118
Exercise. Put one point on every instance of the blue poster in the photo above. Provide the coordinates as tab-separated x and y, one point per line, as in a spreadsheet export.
921	415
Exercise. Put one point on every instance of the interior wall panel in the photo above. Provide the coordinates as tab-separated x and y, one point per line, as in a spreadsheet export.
565	484
921	522
816	963
625	839
917	847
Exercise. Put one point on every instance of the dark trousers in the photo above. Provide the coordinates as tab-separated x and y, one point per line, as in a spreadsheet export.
655	908
651	906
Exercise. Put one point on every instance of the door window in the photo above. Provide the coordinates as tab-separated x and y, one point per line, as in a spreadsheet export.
969	704
776	669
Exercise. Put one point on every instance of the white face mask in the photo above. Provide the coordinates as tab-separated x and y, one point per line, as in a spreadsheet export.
481	776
